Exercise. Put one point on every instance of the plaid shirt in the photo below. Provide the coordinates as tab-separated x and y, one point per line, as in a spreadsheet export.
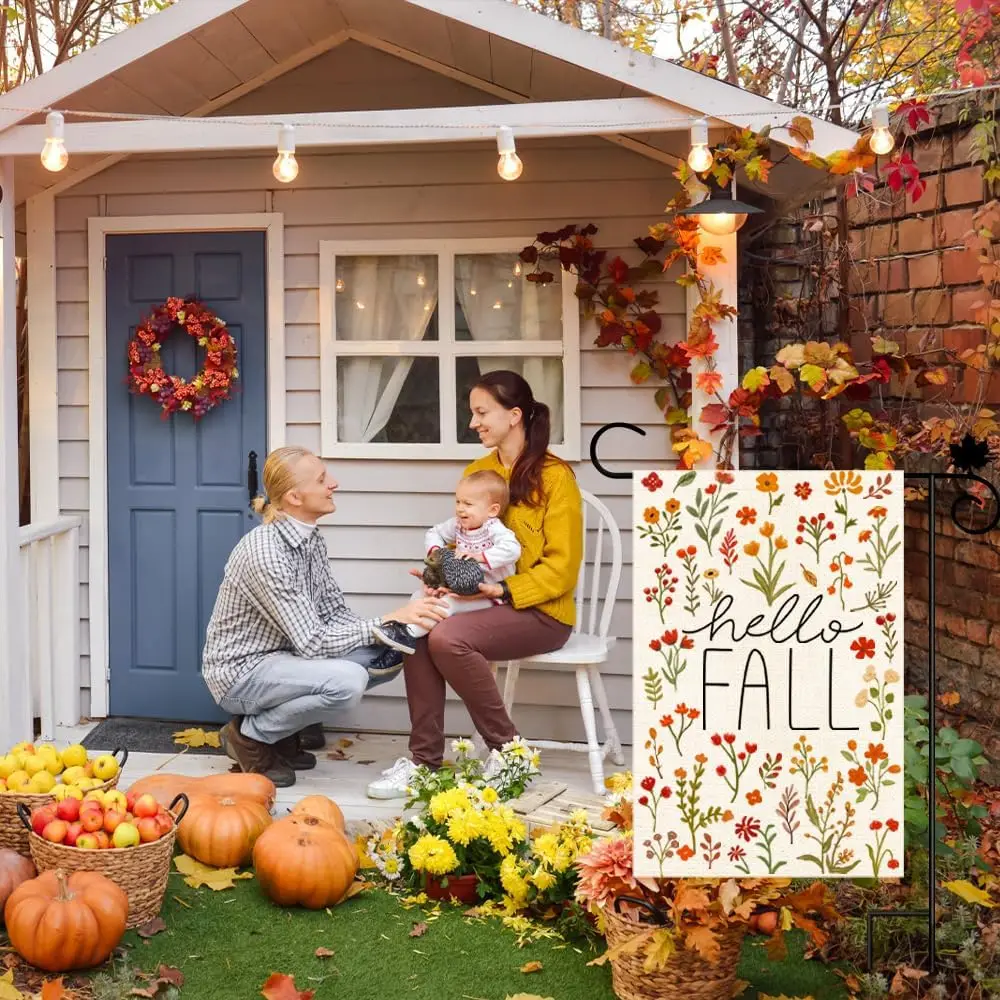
278	596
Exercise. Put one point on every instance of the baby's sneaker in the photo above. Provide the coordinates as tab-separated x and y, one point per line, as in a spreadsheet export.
396	636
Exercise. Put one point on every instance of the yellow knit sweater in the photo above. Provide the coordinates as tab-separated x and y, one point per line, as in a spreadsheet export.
551	538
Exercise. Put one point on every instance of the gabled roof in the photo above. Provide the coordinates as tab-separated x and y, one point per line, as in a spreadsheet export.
199	56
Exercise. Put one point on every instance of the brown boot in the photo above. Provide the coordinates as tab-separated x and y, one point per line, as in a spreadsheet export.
253	756
290	751
312	737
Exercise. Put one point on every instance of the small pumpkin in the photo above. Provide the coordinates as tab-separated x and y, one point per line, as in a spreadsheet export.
14	869
59	923
303	861
220	830
322	808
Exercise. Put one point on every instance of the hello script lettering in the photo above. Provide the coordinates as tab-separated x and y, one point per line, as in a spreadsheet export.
756	676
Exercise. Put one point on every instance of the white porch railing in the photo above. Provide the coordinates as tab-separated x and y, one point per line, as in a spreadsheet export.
50	578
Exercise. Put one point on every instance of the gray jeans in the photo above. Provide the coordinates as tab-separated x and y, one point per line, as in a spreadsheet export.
284	693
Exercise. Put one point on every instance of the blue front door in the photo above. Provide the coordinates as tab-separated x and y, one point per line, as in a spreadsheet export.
177	490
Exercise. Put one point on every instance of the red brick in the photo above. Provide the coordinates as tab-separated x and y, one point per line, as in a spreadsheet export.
916	235
978	554
890	276
960	267
954	624
932	307
934	154
878	241
916	610
972	576
925	272
954	226
964	186
995	636
969	602
944	547
965	302
977	631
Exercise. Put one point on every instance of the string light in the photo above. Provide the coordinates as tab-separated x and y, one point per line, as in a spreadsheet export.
286	167
54	155
517	269
700	158
421	281
881	142
340	285
510	166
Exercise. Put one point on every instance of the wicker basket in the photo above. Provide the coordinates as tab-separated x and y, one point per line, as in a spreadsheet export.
687	976
142	871
12	832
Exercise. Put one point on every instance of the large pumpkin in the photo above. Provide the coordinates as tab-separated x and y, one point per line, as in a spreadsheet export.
220	830
322	808
166	787
59	924
163	787
303	861
14	869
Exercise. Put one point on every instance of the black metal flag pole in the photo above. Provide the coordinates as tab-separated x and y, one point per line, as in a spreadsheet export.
968	455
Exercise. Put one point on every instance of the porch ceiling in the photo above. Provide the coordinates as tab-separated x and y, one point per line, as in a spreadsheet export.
186	62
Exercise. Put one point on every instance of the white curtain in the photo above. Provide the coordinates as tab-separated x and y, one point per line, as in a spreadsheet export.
383	298
526	312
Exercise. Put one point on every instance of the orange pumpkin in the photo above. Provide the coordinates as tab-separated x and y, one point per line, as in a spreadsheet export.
59	924
166	787
163	787
303	861
322	808
14	869
220	830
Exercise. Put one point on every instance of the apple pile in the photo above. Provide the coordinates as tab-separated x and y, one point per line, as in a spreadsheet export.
45	770
102	819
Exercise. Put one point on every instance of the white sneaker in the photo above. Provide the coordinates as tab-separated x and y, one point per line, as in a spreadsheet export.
493	766
394	782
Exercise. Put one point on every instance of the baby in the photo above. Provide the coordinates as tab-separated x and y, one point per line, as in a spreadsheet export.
485	551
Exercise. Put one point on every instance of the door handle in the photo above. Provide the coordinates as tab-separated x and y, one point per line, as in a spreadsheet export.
251	477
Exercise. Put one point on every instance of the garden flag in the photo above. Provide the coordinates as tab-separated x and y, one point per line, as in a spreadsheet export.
768	674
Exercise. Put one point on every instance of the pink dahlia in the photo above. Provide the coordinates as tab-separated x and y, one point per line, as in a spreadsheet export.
606	871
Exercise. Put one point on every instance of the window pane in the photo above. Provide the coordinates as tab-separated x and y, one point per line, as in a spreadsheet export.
544	375
387	298
492	302
388	400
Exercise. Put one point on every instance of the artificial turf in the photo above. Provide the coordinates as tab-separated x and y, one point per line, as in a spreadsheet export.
228	943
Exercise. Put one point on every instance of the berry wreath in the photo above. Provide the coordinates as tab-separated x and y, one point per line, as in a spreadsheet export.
211	386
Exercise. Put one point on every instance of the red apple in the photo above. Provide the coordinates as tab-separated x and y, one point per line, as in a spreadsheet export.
68	809
42	816
87	841
148	829
92	819
73	834
56	831
103	840
165	821
130	801
112	817
145	805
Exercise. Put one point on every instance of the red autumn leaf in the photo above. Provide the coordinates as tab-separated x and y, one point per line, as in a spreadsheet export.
902	172
282	987
915	113
52	989
709	382
714	414
618	270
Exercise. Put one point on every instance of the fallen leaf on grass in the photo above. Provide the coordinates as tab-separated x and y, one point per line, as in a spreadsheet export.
198	874
323	953
166	975
532	967
8	991
419	930
52	989
899	985
151	928
964	889
354	889
282	987
195	738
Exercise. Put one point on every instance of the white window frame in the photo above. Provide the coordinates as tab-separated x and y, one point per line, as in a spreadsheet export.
445	347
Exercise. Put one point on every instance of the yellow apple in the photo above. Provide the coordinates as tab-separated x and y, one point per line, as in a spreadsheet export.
53	765
74	756
8	765
42	782
18	781
23	748
43	749
73	775
67	792
34	764
125	835
105	767
94	795
113	799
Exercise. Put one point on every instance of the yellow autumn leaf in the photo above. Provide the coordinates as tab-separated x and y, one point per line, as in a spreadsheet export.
813	376
529	967
801	128
783	378
8	991
196	874
756	379
195	738
964	889
661	948
879	460
692	450
792	356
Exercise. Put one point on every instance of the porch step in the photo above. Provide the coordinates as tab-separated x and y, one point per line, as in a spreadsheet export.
545	803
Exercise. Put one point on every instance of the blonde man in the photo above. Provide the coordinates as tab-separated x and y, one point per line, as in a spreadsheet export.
283	649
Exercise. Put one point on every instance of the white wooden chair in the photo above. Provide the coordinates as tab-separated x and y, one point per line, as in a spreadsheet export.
587	647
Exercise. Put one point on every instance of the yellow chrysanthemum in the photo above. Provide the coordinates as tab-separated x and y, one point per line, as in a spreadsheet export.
490	794
444	803
619	783
433	855
513	881
464	825
543	879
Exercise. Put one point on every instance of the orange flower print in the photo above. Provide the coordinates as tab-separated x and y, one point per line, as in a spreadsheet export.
864	536
852	744
849	482
875	753
685	853
727	816
767	482
651	515
754	797
863	647
781	542
746	515
767	529
751	548
857	776
672	506
803	491
878	512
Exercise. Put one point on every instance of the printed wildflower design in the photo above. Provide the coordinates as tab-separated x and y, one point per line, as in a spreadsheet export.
814	533
711	850
888	625
670	649
656	752
661	593
804	763
770	770
840	484
877	599
881	549
687	556
767	579
738	761
685	719
746	515
750	829
871	775
709	576
767	482
693	816
841	581
661	847
878	696
652	482
830	833
708	511
803	491
728	551
650	797
880	851
788	811
661	528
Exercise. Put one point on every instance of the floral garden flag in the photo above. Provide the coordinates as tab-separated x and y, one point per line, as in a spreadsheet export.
768	674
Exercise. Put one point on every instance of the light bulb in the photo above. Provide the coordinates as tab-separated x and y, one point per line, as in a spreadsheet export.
881	141
360	304
509	166
497	304
54	155
340	285
421	280
517	269
286	167
700	158
722	223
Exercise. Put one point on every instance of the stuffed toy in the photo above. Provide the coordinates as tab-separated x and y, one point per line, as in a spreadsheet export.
460	576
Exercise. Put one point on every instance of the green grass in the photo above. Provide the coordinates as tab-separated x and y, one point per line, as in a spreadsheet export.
228	943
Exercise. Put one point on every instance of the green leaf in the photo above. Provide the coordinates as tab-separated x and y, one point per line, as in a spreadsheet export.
962	767
813	859
847	756
686	479
876	727
966	748
889	698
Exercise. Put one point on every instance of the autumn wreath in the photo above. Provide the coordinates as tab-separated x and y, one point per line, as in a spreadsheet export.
210	386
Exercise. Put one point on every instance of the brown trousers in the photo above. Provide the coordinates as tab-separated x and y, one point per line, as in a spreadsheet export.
458	651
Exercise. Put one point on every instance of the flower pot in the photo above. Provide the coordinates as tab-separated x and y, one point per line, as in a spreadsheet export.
460	887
